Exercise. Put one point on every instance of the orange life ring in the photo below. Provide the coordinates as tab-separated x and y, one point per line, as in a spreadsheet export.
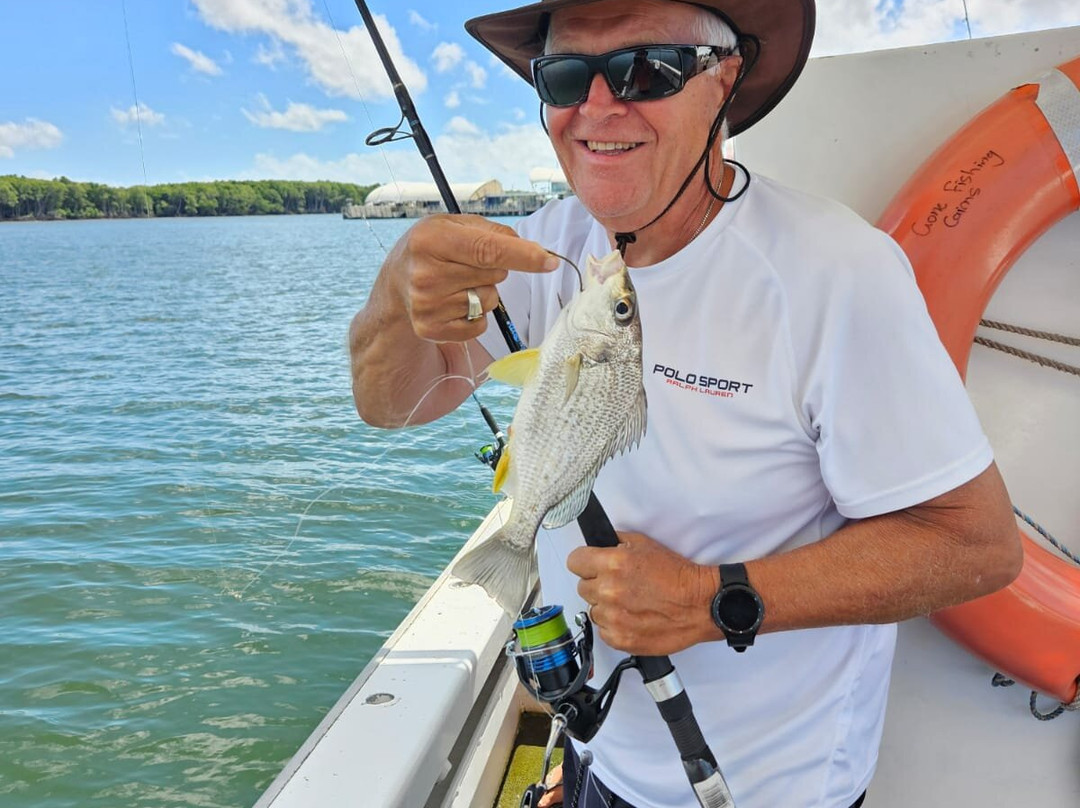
963	219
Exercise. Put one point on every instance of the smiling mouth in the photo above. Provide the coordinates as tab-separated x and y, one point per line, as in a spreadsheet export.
609	147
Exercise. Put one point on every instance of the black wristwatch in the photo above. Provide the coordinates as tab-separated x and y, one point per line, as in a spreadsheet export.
737	609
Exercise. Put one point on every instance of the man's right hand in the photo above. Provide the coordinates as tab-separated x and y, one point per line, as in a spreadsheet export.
414	354
442	256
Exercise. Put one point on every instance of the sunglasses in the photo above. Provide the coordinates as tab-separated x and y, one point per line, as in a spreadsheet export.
643	73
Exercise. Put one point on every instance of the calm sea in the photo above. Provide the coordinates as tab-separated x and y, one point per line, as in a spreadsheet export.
200	543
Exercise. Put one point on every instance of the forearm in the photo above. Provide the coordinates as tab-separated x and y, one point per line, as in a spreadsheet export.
896	566
880	570
391	366
649	600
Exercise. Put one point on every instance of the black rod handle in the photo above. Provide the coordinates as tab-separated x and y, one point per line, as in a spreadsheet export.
666	688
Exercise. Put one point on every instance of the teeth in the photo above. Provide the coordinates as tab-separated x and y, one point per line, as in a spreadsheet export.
609	146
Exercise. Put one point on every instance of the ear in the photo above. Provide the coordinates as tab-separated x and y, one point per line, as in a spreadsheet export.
729	71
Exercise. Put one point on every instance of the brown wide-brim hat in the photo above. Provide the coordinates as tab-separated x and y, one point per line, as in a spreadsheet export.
784	28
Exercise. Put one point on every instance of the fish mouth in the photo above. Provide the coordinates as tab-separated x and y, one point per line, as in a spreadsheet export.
601	269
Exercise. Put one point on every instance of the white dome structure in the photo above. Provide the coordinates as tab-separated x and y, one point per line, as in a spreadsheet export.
426	193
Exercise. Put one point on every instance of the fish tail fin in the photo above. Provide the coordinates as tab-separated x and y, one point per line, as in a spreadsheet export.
505	569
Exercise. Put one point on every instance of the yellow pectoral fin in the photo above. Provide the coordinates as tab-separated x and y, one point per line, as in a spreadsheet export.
516	368
502	468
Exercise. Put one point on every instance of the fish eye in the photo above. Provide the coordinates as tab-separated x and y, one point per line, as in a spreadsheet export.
624	310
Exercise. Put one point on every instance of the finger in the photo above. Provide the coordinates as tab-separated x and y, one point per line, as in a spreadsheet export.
488	245
588	562
588	591
457	305
433	283
554	776
459	330
581	563
551	797
489	297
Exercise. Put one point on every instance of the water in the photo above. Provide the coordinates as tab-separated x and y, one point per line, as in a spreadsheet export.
174	397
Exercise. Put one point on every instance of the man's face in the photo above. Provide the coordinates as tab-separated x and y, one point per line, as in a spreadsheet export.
658	141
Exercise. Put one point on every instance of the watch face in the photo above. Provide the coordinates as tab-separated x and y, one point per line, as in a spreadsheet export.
740	609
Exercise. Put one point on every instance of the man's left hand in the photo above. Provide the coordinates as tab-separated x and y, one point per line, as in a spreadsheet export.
645	599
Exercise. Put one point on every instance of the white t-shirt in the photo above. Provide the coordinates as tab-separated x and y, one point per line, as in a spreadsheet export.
794	381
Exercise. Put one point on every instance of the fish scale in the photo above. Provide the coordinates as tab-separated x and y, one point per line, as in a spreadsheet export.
582	402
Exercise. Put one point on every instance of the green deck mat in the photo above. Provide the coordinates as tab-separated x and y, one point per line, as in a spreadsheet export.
526	759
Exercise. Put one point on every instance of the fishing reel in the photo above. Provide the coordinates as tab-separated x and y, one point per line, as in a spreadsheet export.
490	453
554	665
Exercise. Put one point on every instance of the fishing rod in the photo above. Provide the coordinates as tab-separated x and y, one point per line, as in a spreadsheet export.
659	675
427	151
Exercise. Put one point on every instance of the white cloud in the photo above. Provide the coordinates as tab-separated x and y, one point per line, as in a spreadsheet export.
199	61
848	26
477	74
461	126
447	56
465	157
420	22
131	116
518	113
270	56
32	134
293	24
452	100
295	118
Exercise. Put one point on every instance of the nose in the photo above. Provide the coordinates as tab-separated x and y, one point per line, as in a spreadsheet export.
600	101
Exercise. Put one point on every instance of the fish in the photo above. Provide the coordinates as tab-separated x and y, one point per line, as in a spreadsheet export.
582	402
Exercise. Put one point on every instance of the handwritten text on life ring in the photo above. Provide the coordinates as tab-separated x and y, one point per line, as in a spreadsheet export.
951	211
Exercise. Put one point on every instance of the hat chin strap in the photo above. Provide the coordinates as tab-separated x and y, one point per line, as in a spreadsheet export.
625	239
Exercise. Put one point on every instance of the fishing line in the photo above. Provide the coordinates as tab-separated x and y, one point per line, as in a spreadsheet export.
446	377
138	110
207	505
378	459
389	136
967	19
360	97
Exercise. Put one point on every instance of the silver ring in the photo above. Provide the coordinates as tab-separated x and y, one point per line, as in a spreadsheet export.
476	311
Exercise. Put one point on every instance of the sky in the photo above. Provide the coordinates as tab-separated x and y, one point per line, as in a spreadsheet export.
289	89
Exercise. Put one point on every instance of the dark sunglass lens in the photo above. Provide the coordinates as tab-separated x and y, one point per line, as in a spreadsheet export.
646	73
561	82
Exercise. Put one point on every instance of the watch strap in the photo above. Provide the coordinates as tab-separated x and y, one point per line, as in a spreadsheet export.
734	577
733	574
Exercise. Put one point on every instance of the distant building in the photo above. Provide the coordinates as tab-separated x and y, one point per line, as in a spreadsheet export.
549	182
410	200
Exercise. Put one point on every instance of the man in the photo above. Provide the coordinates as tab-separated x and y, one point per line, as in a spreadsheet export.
805	428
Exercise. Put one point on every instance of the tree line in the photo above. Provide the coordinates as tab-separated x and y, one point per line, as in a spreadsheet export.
25	198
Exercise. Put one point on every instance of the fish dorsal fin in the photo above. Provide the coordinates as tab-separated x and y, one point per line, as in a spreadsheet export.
573	371
516	368
502	470
571	507
631	429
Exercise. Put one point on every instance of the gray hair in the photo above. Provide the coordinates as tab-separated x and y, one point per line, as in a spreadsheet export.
712	29
708	29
